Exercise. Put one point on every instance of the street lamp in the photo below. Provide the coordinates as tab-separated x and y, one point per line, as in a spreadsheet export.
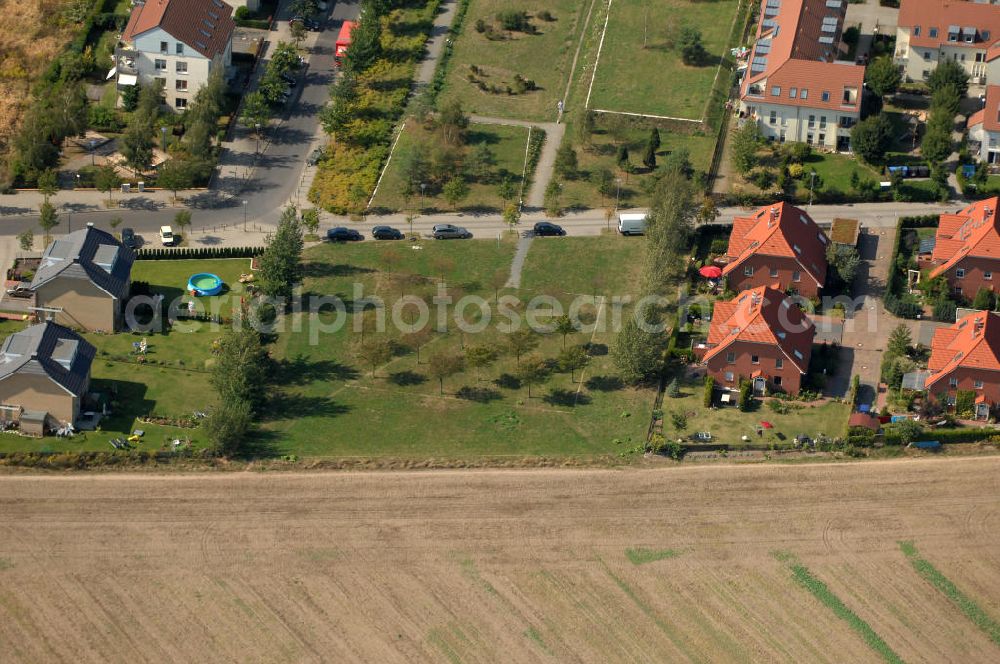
423	186
93	144
163	134
77	180
256	127
244	216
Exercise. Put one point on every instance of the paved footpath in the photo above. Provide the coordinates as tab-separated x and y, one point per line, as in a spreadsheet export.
546	161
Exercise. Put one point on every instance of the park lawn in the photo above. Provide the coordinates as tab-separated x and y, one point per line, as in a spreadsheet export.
728	424
508	144
331	405
581	193
544	58
609	265
654	80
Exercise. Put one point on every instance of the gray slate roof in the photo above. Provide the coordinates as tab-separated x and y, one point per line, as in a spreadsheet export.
51	350
89	254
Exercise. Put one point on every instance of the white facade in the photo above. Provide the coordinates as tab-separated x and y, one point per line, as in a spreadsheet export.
989	143
919	61
157	55
818	127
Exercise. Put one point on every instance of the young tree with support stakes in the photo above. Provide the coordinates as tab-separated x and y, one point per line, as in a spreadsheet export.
571	360
48	183
26	240
481	356
519	342
106	179
455	191
175	175
444	365
417	339
512	215
507	190
565	326
374	352
182	219
47	220
534	370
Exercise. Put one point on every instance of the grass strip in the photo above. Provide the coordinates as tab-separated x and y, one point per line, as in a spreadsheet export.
973	611
642	556
823	593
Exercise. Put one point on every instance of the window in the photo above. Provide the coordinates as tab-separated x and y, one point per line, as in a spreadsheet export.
822	122
927	55
796	276
957	290
987	275
162	81
809	139
160	65
182	67
980	57
774	117
181	85
748	271
793	92
952	382
804	94
180	48
916	31
731	358
797	353
960	273
951	400
180	102
729	376
779	363
822	138
164	48
812	121
934	32
776	91
755	359
777	380
825	96
774	272
977	384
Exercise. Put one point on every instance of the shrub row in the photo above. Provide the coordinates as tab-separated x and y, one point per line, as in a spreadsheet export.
84	460
441	72
185	253
969	435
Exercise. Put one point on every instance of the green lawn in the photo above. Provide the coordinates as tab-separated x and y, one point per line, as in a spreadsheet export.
609	266
506	142
581	192
544	57
835	170
654	80
332	406
729	424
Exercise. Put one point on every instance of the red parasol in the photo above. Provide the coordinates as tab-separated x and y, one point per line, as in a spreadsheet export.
766	424
710	272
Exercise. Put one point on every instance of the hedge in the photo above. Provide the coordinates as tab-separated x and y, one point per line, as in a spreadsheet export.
187	253
441	72
962	435
896	301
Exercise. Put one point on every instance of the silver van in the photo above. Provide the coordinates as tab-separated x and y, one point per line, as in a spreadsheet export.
631	223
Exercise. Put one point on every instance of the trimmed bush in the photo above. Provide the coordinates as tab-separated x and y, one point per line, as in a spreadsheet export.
188	253
709	391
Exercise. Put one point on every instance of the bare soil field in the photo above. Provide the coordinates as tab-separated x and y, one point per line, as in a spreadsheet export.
671	565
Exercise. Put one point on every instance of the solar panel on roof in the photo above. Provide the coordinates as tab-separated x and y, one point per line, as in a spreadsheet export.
763	50
833	4
771	11
829	19
773	3
758	66
825	40
829	28
769	23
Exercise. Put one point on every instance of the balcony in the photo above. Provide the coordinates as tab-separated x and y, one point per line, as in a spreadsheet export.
125	61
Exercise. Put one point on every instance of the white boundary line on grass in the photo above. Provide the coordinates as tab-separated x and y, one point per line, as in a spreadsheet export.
392	151
722	61
576	56
524	171
645	115
597	60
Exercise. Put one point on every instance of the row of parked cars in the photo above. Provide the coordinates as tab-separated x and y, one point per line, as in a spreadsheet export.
439	232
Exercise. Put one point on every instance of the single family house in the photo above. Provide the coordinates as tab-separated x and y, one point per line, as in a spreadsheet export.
966	357
967	248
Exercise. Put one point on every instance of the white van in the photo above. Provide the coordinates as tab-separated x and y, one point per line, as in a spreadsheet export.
166	236
631	223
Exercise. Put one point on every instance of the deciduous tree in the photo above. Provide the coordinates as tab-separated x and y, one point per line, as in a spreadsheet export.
444	365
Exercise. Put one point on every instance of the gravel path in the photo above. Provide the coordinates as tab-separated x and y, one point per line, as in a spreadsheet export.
546	162
517	264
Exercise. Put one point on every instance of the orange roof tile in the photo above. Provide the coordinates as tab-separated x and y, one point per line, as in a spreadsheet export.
943	14
989	115
972	232
762	315
204	25
972	343
779	230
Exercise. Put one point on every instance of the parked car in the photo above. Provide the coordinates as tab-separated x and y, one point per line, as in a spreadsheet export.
632	224
20	291
314	157
341	234
130	239
288	78
450	232
546	229
386	233
167	237
310	24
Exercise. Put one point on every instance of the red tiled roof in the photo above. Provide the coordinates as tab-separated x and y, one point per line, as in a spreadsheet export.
971	232
776	230
971	343
787	44
204	25
864	420
989	115
942	14
762	315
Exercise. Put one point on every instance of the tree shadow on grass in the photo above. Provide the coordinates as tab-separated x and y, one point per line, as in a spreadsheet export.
407	378
508	381
595	350
558	396
478	394
302	370
319	270
604	383
283	406
260	444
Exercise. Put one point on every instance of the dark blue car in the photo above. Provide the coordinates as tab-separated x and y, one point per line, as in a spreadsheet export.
341	234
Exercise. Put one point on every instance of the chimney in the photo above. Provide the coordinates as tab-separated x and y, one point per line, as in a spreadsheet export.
977	326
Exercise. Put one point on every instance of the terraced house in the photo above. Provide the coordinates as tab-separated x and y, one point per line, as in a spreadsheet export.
931	31
967	248
759	335
984	128
794	87
966	357
779	246
177	42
